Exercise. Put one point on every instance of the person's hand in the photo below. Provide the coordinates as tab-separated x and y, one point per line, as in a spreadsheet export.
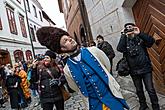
54	82
122	31
35	62
126	33
136	30
130	33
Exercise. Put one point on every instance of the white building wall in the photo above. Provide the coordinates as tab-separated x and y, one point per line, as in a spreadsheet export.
35	21
107	18
13	42
5	33
10	41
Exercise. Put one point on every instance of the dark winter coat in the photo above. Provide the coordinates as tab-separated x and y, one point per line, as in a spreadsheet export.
135	50
15	93
49	93
107	49
34	79
2	73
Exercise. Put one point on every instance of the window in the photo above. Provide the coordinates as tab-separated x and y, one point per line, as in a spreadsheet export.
11	19
27	5
35	12
35	28
40	15
18	55
0	24
19	1
28	55
32	34
22	23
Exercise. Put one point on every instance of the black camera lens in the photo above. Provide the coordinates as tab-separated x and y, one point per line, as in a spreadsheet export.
125	30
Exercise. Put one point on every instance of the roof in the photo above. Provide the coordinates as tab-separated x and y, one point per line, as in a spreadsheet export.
47	17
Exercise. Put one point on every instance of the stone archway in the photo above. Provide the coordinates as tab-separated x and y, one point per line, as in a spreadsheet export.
84	40
28	55
4	57
18	55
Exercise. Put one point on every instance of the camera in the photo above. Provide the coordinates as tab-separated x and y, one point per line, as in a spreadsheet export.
39	58
128	30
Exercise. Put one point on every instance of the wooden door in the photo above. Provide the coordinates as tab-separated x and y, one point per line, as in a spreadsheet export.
150	18
4	57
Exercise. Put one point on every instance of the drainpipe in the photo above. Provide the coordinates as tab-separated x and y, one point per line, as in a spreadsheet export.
29	29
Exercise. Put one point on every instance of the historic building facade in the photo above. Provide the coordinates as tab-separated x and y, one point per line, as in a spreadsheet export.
107	17
76	21
16	28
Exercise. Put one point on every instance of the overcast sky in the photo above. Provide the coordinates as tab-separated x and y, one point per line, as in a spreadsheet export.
52	9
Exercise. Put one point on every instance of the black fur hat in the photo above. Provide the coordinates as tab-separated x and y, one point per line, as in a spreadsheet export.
50	37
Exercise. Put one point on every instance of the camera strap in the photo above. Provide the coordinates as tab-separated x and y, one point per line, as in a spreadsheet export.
50	74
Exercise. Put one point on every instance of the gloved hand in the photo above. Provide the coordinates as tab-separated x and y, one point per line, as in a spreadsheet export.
54	82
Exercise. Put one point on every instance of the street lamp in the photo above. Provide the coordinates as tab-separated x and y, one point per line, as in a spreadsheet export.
29	29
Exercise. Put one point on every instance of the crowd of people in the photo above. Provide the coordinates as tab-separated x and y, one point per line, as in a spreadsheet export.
83	69
33	78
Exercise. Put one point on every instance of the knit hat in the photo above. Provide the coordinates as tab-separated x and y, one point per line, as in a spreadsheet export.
50	37
132	24
51	54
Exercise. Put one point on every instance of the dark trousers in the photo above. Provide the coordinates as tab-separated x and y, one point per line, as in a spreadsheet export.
49	106
148	82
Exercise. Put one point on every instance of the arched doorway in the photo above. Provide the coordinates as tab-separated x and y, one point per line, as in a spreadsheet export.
18	55
28	55
76	38
4	57
83	36
150	19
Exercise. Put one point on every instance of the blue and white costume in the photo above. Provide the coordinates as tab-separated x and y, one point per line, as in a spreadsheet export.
88	73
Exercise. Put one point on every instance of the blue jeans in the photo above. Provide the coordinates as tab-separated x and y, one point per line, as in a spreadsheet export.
148	82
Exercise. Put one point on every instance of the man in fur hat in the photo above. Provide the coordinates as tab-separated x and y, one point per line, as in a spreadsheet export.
86	70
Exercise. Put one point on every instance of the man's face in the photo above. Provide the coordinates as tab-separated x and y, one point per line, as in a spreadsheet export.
99	40
130	29
67	44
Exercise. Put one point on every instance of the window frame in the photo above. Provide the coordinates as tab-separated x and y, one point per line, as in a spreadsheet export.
35	11
40	13
11	19
22	24
27	5
32	34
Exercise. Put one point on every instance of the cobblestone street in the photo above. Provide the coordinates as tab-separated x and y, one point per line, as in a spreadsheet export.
128	91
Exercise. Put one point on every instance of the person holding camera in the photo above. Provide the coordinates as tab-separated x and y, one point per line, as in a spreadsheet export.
133	44
49	82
